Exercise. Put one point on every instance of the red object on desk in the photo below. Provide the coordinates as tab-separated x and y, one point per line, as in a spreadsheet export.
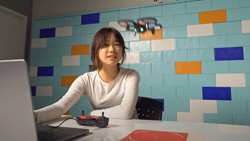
150	135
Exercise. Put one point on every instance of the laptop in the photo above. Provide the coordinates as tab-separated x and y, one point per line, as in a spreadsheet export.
17	119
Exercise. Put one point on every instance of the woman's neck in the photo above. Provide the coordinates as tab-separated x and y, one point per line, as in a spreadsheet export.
108	74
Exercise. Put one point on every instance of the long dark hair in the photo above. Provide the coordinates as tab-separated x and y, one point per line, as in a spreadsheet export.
99	41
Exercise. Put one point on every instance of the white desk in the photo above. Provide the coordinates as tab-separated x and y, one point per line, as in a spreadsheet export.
118	129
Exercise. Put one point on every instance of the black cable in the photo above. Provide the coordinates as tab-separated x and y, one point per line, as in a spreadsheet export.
61	123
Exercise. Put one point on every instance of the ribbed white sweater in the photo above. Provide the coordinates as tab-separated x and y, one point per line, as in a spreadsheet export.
116	99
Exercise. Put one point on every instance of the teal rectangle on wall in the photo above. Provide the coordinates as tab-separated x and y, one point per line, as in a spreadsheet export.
227	28
177	105
214	41
238	14
164	92
200	55
244	3
241	119
152	11
239	40
247	52
45	81
218	118
175	80
189	92
175	32
142	68
176	55
188	43
225	4
129	14
166	21
232	107
85	60
45	61
79	70
109	16
202	80
199	6
63	41
186	19
163	68
60	71
95	27
173	9
215	67
80	29
145	91
151	80
151	57
240	93
240	66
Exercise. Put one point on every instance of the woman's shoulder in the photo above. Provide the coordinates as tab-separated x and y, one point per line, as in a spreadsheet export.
88	75
129	72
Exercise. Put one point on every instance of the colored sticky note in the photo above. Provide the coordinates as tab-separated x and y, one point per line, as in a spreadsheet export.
47	32
90	18
45	71
213	16
148	35
188	67
229	53
80	49
67	80
216	93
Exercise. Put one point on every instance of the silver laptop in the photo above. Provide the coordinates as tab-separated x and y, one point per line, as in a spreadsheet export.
17	119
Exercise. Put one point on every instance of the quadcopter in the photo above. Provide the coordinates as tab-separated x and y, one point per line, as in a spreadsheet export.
142	25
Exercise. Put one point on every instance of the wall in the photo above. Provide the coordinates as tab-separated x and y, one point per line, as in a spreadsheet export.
24	8
198	64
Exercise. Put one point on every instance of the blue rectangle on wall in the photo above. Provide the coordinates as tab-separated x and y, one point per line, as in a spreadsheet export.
230	53
90	18
33	90
162	100
216	93
47	32
45	71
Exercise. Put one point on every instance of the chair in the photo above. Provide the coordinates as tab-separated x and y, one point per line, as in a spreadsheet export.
149	108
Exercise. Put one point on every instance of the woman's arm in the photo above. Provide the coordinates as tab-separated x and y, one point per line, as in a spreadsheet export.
126	109
57	109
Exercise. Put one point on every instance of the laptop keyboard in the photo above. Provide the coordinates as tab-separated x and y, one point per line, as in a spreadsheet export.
44	136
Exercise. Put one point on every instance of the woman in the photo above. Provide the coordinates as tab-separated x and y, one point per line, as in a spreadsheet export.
110	88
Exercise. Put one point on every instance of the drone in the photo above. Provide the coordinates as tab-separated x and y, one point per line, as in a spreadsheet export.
142	25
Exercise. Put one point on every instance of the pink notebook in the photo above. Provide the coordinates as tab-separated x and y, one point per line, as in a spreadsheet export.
150	135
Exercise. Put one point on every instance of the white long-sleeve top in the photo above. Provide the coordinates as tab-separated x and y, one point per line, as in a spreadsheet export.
116	99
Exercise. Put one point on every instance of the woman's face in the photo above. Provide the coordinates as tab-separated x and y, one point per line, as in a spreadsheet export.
111	53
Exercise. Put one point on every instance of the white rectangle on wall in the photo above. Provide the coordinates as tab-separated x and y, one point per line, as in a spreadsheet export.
64	31
132	58
33	71
245	26
165	44
200	30
71	60
44	90
39	43
231	80
116	25
190	117
203	106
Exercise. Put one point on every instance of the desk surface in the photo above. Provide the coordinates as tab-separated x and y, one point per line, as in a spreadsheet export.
118	129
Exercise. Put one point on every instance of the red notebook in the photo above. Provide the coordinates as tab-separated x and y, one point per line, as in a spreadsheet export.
150	135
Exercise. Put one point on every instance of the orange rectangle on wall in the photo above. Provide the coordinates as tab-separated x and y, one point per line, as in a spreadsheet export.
67	80
80	49
148	35
217	16
188	67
